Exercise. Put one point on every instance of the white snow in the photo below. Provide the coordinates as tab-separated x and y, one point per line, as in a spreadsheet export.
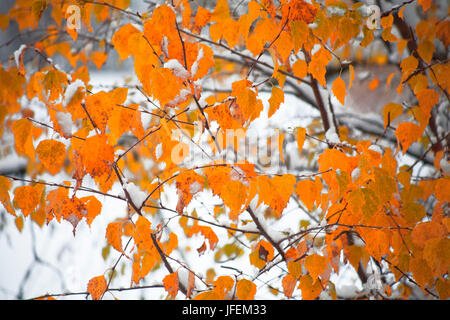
181	97
355	174
195	187
445	166
376	148
335	11
177	68
332	136
158	151
65	122
136	194
17	54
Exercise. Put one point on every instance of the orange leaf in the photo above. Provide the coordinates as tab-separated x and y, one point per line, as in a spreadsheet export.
262	254
171	284
163	85
275	100
208	295
276	191
310	288
317	66
338	88
309	192
97	155
234	195
99	58
300	68
5	186
245	290
289	283
223	285
408	133
52	154
120	40
316	265
207	232
27	198
373	84
114	235
351	76
390	112
23	138
301	134
97	287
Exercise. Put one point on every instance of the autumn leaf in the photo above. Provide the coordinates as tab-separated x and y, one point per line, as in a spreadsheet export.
245	289
114	235
223	286
5	186
26	198
275	100
262	254
316	265
408	133
310	288
23	138
289	283
390	112
97	155
171	284
52	154
339	89
121	38
96	287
